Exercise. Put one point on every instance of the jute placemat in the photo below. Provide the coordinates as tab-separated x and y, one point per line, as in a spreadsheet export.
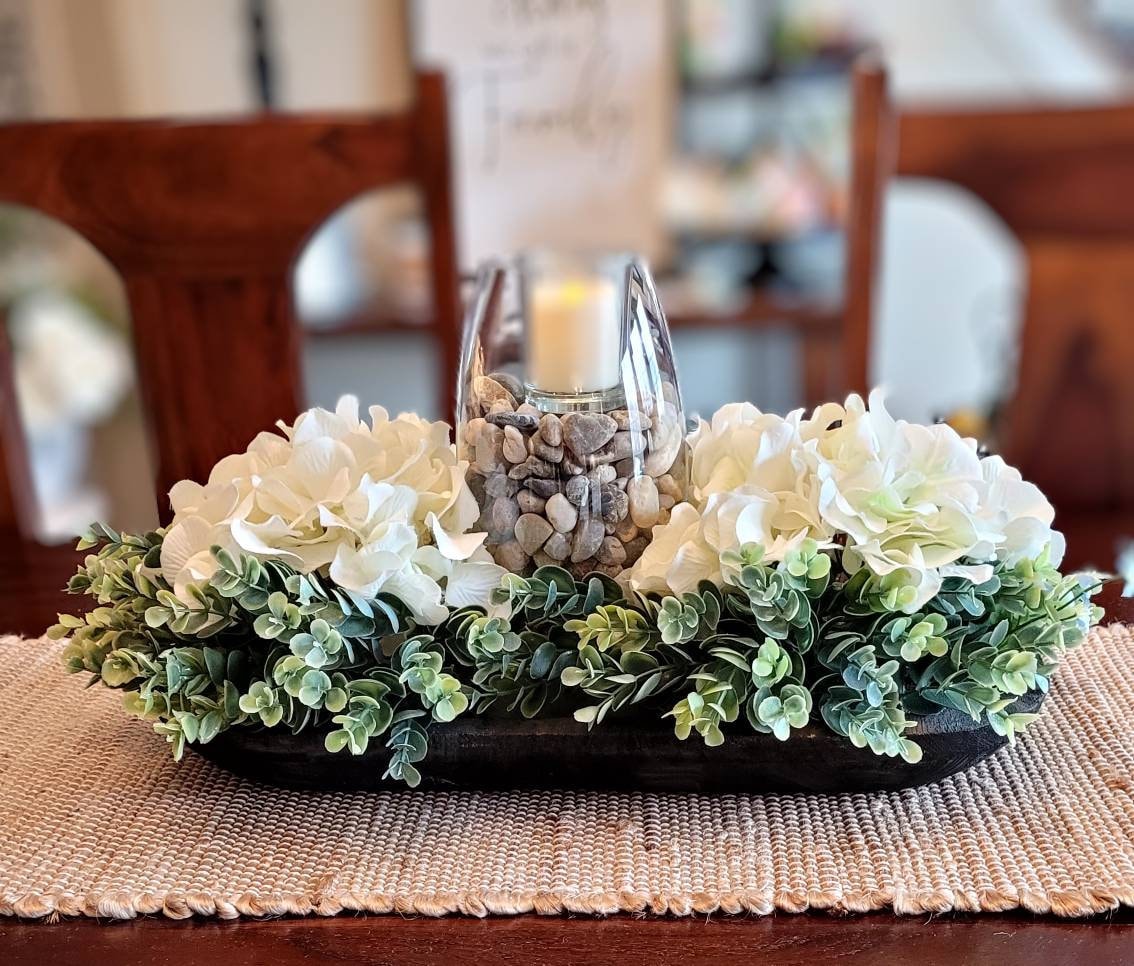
95	819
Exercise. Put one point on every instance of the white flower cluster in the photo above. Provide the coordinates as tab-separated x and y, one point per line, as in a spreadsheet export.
901	499
380	507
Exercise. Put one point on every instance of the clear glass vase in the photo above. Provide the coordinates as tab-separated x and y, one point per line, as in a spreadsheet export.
569	411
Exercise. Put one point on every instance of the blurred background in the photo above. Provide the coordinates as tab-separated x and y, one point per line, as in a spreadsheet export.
713	135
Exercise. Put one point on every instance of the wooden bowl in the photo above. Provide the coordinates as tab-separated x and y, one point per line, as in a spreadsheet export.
499	753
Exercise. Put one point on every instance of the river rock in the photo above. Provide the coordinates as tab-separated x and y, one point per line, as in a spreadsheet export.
544	450
511	556
611	551
589	535
478	486
487	390
601	475
520	421
627	529
578	490
515	449
495	484
551	429
505	513
532	532
541	558
644	505
585	433
558	546
625	444
669	486
532	466
473	429
509	382
544	488
627	420
615	503
489	450
530	503
561	514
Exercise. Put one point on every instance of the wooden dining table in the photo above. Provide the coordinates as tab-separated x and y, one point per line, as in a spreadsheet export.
531	940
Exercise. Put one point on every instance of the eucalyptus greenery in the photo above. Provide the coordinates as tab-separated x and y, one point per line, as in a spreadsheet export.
779	647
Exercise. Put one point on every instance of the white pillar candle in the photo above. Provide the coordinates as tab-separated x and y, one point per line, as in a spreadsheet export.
574	335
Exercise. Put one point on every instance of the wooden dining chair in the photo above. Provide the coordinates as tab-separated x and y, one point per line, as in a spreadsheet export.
1060	179
204	222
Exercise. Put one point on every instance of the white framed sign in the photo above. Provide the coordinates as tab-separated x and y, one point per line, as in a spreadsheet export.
561	113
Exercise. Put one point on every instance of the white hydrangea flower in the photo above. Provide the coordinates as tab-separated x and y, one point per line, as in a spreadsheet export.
751	481
909	502
380	506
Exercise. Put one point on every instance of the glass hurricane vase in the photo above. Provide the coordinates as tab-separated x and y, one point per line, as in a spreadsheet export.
569	411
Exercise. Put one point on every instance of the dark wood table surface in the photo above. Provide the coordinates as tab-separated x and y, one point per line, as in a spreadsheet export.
1004	940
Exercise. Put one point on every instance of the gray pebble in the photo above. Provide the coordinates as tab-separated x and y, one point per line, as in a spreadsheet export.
615	504
515	449
473	429
611	551
544	488
577	490
603	457
511	556
586	432
627	529
551	429
532	466
497	484
628	420
522	421
561	514
626	468
478	486
509	382
487	391
545	451
589	535
505	513
490	450
570	467
530	503
558	546
644	505
527	409
532	532
669	486
602	474
627	444
543	559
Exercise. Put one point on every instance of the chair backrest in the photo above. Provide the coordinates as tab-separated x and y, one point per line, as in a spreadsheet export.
204	222
873	149
1060	179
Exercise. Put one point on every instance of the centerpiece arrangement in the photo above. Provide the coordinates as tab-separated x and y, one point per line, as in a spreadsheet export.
839	578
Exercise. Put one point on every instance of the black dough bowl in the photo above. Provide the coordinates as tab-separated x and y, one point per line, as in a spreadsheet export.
502	753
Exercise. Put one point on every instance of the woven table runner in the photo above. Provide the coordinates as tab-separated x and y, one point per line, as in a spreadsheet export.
97	820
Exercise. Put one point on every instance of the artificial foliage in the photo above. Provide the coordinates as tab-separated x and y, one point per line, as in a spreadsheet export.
779	646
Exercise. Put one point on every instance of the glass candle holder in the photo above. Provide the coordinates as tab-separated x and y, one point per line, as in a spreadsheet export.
569	411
